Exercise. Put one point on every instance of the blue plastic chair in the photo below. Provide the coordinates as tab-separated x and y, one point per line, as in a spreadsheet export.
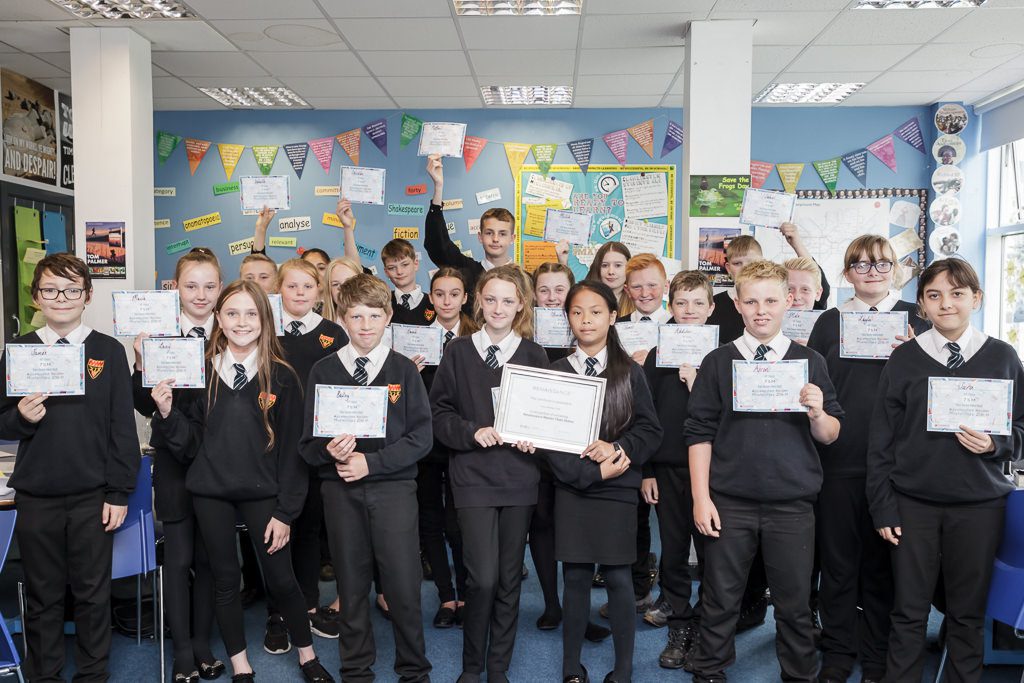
10	661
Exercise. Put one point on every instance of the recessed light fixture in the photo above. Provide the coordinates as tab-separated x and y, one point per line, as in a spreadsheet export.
126	9
485	8
535	95
255	97
919	4
806	93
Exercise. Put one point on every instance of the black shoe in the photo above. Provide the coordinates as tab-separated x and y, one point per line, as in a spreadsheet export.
428	572
460	612
212	671
244	678
549	621
753	615
608	678
693	635
275	640
324	622
314	672
674	654
577	678
596	633
599	581
657	615
497	677
871	679
327	572
445	617
187	678
467	677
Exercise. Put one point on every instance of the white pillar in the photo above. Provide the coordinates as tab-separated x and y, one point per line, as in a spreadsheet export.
716	114
112	85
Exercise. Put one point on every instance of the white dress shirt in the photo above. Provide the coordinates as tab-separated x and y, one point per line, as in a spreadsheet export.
187	324
415	296
307	323
853	304
75	336
377	356
578	361
223	364
777	346
934	344
659	316
506	347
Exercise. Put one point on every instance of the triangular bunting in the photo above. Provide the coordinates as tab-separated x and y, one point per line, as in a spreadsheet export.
910	133
885	151
618	143
377	131
410	128
195	150
643	133
581	150
297	153
166	143
265	156
323	150
673	138
544	155
349	141
471	149
759	172
828	170
790	175
857	162
516	153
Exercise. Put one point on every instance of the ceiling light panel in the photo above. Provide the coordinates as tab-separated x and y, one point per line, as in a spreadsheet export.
527	95
806	93
126	9
245	97
486	8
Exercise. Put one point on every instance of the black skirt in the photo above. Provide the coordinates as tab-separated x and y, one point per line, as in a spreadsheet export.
593	530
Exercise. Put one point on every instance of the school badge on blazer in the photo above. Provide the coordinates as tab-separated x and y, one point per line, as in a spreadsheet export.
95	367
429	314
394	392
266	400
326	341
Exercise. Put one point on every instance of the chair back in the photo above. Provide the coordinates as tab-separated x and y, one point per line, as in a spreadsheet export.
1006	591
135	541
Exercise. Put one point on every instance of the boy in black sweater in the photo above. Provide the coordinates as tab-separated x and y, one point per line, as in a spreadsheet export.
409	303
369	488
754	476
78	459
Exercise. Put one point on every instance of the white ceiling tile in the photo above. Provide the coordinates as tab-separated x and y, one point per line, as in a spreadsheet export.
308	86
4	47
893	27
996	80
388	8
440	102
673	102
256	9
525	80
175	36
325	63
917	81
826	77
400	34
417	63
1001	4
38	36
62	84
862	99
613	86
527	63
616	102
650	60
157	71
229	82
33	10
229	64
697	7
167	87
350	102
520	33
773	57
947	56
61	60
31	66
186	104
783	28
425	86
759	81
987	25
631	30
966	96
850	58
777	5
289	35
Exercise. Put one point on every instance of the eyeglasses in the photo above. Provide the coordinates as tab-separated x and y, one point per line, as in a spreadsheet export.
864	267
51	293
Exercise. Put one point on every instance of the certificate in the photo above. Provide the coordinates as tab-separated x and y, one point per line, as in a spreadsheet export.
678	344
984	405
178	358
762	387
642	336
57	370
422	340
271	191
444	139
870	334
363	185
566	225
359	411
278	311
798	323
155	312
556	410
551	328
766	208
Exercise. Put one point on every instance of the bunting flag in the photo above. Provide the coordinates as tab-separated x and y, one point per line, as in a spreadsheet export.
297	153
618	143
910	133
471	148
790	175
828	171
673	138
516	153
544	155
349	141
195	150
857	162
166	143
323	150
643	133
581	150
410	128
377	131
265	156
885	151
759	172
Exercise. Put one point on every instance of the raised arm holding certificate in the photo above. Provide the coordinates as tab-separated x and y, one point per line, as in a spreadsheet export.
362	185
764	387
766	208
679	344
551	328
57	370
359	411
178	358
271	191
870	335
984	405
641	336
798	323
418	340
155	312
443	139
566	225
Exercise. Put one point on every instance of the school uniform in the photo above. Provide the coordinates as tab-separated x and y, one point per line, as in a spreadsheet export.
948	501
495	491
765	475
443	252
411	308
856	570
82	454
374	521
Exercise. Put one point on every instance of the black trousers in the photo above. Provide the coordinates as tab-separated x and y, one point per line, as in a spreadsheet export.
305	546
62	541
184	551
961	541
439	523
785	531
542	544
217	520
676	529
641	568
856	572
376	522
494	543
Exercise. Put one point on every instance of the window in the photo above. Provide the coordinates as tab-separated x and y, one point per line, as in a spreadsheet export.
1004	273
1011	183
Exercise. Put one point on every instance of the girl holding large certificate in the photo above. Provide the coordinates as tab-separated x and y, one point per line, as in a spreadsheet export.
949	414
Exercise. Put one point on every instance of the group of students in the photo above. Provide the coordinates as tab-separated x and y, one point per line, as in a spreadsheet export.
854	495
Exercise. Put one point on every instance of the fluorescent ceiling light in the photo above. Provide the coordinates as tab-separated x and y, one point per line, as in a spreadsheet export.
806	93
126	9
918	4
537	95
255	98
481	8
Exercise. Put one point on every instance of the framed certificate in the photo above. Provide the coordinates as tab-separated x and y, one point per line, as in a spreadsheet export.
445	139
984	405
870	335
57	370
178	358
423	340
278	310
678	344
642	336
560	411
551	328
156	312
766	208
271	191
798	323
359	411
762	387
361	185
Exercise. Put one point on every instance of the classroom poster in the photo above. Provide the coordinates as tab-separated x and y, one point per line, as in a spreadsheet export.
711	253
717	195
29	125
67	141
105	250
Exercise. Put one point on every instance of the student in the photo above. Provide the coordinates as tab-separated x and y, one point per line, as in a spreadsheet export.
318	257
666	483
369	488
77	461
743	494
551	282
338	271
645	286
804	282
247	421
609	267
497	234
494	485
261	270
855	597
940	498
197	278
410	304
596	493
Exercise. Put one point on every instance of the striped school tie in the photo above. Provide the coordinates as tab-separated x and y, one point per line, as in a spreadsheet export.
873	309
405	302
590	371
62	340
197	332
645	318
294	328
240	378
360	374
448	336
762	352
492	359
955	359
